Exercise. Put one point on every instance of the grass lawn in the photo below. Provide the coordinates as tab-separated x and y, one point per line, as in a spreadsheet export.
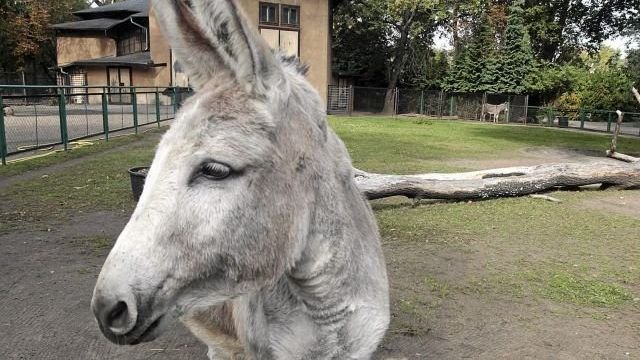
522	271
409	146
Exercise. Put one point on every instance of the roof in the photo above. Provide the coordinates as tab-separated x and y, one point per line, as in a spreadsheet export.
142	59
94	24
119	9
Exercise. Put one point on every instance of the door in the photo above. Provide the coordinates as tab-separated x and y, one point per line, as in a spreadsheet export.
119	85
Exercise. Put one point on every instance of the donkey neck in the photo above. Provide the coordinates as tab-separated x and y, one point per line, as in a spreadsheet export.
331	263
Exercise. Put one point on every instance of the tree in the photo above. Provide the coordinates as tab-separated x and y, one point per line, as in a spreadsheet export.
632	66
401	31
562	29
359	46
516	58
27	43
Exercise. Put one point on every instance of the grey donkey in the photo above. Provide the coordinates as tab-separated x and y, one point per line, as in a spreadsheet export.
494	111
250	230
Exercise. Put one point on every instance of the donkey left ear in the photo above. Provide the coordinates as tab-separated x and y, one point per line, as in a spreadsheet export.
241	48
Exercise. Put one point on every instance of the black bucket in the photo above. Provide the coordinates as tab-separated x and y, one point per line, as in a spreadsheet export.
563	121
138	176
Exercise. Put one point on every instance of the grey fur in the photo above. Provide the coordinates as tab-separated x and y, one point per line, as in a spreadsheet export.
282	260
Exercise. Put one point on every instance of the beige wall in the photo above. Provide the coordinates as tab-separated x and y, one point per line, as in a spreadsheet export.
72	48
314	37
160	54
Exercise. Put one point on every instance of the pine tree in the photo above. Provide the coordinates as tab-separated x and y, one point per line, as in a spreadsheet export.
476	69
517	60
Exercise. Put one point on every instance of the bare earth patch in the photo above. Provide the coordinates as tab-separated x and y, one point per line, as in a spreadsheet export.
624	203
47	279
527	157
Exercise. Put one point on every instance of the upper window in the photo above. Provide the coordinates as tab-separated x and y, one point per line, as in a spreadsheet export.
130	43
279	16
269	14
290	16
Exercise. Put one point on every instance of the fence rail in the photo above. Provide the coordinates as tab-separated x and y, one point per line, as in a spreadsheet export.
57	115
472	106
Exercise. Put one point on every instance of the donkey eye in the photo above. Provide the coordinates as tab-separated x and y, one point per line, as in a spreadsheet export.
215	171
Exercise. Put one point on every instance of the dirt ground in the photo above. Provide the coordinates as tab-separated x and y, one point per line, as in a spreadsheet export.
528	157
47	278
625	204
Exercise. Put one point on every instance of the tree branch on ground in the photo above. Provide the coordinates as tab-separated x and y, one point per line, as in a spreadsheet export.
497	183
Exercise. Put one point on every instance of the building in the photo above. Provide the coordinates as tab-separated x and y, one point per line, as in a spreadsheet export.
121	45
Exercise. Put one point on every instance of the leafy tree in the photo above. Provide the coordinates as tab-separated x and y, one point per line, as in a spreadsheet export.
596	81
633	65
562	29
27	41
359	46
401	30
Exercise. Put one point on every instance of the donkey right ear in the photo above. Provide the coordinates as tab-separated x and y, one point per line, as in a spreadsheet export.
211	37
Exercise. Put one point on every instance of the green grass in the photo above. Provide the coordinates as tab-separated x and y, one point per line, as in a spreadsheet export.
101	183
411	146
557	285
519	247
96	243
530	236
99	146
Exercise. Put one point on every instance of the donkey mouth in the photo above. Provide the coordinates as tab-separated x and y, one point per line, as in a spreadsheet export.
149	334
138	335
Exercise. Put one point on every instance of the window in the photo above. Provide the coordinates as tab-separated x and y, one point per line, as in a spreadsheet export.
290	16
268	14
131	43
280	27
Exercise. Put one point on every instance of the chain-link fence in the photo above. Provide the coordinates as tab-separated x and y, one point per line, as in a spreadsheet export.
49	116
499	108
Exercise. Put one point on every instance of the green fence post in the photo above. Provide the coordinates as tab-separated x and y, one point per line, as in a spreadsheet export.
609	121
62	110
158	106
550	116
583	118
174	100
3	135
422	102
105	114
134	105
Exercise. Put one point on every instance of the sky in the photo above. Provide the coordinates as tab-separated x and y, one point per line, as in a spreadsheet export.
443	41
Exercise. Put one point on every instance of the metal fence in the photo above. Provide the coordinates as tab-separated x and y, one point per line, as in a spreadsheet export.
58	115
472	106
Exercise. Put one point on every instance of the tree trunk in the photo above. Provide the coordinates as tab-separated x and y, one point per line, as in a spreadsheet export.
636	94
390	99
507	182
399	60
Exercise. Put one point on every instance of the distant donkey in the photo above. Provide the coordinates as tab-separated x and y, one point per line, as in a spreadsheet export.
494	111
250	229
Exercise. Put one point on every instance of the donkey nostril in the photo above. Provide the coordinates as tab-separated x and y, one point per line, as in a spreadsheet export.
118	318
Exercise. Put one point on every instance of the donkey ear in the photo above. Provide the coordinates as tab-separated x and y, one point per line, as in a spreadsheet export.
211	37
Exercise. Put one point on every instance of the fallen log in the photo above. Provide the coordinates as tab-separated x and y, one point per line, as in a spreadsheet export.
496	183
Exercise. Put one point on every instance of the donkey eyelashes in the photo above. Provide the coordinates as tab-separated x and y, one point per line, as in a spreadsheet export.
215	171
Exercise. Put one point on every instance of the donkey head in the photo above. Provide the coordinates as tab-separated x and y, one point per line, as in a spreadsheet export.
228	199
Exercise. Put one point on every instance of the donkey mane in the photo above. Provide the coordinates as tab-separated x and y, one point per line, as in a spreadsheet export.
295	62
